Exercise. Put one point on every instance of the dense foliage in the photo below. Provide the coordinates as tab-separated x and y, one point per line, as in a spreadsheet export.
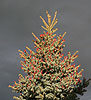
50	74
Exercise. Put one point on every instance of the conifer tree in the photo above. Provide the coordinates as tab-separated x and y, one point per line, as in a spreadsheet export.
50	74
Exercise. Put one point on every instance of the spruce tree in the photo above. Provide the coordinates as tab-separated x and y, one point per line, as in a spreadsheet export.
50	74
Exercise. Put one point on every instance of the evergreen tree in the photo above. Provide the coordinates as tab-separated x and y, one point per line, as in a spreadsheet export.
50	74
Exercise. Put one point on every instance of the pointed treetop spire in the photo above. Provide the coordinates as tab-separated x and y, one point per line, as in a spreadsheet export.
49	26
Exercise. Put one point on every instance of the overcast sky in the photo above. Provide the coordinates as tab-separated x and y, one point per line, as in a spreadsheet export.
19	18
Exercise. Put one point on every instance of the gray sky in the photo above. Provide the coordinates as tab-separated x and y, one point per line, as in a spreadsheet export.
19	18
